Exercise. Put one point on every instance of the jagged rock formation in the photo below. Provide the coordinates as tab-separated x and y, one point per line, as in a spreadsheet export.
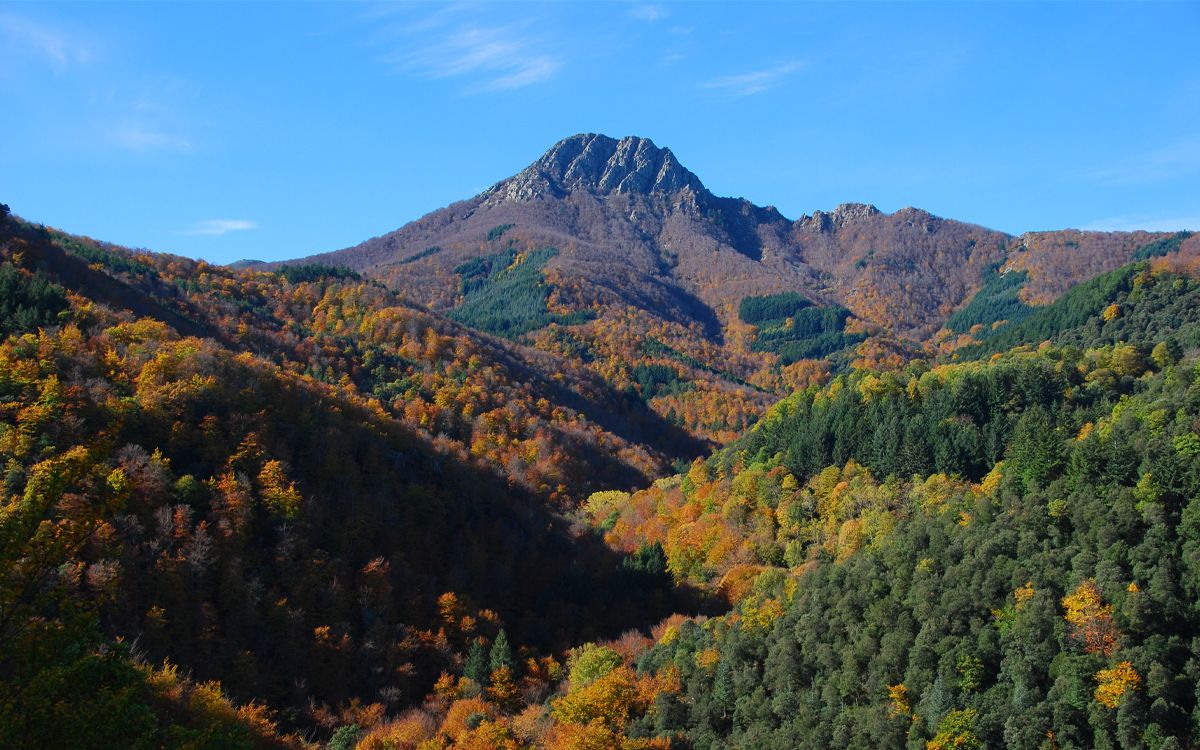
600	165
825	222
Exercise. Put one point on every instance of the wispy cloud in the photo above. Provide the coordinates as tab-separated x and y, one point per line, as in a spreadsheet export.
222	226
648	13
1173	161
49	44
144	116
754	82
143	138
137	114
1146	223
498	58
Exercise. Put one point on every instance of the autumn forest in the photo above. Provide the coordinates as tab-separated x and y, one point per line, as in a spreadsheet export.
598	460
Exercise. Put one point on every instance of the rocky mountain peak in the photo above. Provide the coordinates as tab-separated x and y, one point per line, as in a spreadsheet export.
599	165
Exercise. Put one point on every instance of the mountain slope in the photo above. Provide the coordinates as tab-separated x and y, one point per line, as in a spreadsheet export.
489	398
629	219
998	553
995	553
619	239
307	505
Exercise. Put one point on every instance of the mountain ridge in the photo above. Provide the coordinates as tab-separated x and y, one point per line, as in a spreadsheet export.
631	221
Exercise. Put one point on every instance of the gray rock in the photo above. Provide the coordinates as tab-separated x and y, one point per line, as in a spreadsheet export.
599	165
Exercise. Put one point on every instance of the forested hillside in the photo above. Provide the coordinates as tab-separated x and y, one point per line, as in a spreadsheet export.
535	416
1018	571
252	515
986	554
330	504
996	553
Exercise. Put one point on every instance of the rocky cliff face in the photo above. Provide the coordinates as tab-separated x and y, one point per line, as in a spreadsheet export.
598	165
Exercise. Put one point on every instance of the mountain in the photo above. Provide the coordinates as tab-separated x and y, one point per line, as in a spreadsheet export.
629	264
637	227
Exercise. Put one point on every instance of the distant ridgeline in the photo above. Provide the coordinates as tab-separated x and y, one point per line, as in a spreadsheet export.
1131	304
792	327
1121	298
1162	247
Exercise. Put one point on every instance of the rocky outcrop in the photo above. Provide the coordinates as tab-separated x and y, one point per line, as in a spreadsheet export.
846	213
599	165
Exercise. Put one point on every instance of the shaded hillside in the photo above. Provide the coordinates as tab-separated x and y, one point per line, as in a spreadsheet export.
537	416
313	548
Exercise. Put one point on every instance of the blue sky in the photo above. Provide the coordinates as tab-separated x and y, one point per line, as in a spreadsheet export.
268	131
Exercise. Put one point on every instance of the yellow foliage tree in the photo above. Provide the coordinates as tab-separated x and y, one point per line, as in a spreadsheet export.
503	690
610	699
898	696
1024	594
278	492
595	735
1091	619
1112	684
489	735
956	732
461	714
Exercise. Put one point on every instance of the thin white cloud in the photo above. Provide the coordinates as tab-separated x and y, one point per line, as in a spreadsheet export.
142	138
144	116
1174	161
49	44
754	82
648	13
1145	223
493	58
133	115
222	226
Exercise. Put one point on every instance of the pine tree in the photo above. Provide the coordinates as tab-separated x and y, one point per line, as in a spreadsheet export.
501	655
476	667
